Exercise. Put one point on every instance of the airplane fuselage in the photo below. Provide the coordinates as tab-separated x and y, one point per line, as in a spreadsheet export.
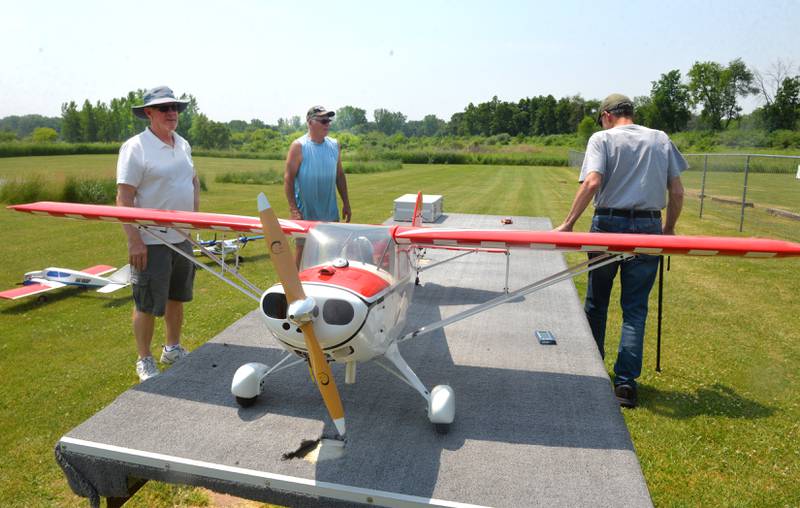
65	276
361	296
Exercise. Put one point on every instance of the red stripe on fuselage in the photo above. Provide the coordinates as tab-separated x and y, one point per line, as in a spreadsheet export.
358	280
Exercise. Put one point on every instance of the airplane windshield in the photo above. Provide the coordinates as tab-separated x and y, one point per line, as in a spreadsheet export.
367	244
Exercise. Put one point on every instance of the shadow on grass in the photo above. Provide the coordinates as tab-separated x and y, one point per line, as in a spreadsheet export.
714	400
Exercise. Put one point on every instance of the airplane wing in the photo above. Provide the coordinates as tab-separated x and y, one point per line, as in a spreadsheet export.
597	242
29	290
99	270
441	237
166	218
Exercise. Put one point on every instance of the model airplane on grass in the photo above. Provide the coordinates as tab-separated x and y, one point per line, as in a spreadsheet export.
223	248
38	282
347	302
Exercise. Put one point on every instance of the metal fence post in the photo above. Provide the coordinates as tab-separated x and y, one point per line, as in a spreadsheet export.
744	192
703	185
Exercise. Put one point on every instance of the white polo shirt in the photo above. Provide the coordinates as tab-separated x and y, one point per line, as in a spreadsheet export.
161	174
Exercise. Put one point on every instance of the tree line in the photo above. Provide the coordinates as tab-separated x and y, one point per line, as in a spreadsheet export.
708	98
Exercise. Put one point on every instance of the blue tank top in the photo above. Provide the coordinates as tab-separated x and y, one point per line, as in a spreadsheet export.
315	183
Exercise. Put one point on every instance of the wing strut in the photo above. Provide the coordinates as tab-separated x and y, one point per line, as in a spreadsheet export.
586	266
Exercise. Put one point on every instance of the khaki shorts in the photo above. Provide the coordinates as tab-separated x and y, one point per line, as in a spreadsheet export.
167	276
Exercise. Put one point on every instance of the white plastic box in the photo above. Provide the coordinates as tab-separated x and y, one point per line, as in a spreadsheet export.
432	207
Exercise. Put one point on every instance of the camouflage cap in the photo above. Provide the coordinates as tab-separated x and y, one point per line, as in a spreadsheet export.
614	102
318	111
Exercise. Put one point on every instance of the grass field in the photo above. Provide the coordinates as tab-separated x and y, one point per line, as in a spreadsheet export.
719	426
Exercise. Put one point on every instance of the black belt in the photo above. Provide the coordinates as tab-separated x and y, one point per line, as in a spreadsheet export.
636	214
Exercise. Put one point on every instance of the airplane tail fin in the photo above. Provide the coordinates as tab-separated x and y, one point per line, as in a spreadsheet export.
121	276
416	219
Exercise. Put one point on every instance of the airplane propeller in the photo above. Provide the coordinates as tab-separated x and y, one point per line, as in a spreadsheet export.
301	309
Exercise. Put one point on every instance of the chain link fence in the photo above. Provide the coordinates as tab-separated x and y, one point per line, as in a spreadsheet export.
757	194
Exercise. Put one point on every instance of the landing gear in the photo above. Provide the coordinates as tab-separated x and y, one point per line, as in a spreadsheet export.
442	408
441	400
248	383
245	401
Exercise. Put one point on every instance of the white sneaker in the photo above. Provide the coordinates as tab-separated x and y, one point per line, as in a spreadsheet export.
170	357
146	368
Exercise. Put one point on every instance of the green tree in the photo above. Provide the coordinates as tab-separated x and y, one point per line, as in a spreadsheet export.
717	88
209	134
349	117
670	103
88	120
7	136
784	111
44	135
432	126
546	117
586	128
706	89
186	118
738	82
389	122
70	122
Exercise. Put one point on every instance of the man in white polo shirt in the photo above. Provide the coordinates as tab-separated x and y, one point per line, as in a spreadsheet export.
155	170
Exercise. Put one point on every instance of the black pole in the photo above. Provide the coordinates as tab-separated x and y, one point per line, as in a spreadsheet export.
660	300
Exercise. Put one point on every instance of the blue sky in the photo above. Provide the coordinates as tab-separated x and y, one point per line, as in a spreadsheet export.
260	59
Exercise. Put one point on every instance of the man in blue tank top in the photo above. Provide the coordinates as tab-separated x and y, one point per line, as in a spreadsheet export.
314	173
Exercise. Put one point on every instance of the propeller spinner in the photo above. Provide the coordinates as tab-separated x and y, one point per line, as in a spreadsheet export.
300	309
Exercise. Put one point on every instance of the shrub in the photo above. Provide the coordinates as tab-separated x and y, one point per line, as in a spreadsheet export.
251	177
26	190
94	191
371	166
32	149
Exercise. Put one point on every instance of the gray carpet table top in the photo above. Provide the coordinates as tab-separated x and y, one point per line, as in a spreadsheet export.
535	425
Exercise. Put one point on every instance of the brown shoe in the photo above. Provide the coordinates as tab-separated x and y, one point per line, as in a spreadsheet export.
626	395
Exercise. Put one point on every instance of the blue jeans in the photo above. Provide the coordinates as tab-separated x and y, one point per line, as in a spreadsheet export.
637	275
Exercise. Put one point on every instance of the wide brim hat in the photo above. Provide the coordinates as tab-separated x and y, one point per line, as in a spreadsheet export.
156	96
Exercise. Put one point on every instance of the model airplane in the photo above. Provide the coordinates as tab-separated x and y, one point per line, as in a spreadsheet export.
347	302
223	248
35	283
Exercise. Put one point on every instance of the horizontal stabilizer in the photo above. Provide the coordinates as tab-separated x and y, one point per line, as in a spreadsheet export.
110	288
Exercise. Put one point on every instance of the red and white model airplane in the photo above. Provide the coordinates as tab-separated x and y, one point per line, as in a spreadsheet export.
347	303
35	283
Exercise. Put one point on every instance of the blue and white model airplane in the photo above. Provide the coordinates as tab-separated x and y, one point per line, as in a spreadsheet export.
37	282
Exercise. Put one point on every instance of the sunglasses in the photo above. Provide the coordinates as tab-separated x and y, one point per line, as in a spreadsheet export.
323	121
167	107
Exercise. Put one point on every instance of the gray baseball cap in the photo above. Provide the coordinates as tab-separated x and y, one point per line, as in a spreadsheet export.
156	96
318	111
615	101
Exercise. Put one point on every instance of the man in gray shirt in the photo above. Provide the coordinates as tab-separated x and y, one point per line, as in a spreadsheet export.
632	173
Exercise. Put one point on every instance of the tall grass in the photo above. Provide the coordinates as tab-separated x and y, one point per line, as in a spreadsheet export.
30	149
28	189
97	191
266	177
371	166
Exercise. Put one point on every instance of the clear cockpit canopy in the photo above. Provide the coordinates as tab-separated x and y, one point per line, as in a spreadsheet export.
326	243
